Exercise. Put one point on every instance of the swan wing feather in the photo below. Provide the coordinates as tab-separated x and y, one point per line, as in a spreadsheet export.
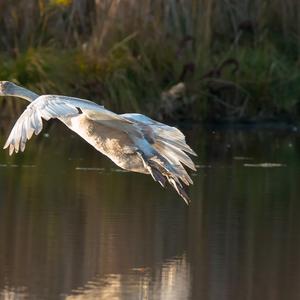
54	106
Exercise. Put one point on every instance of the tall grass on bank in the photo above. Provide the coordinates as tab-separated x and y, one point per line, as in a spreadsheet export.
238	59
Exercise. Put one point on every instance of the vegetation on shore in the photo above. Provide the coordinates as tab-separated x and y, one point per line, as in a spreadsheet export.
189	59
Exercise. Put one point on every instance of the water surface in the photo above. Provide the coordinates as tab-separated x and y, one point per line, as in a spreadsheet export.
73	226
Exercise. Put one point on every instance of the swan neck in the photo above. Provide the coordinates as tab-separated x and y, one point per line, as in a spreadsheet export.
23	93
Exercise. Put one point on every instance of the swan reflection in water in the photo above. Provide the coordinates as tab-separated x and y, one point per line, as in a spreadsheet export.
132	141
170	281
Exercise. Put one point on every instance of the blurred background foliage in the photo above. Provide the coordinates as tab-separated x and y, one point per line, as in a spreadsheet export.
200	60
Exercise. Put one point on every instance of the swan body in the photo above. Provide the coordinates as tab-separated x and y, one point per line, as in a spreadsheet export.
132	141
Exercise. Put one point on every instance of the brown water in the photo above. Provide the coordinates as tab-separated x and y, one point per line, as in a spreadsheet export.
72	226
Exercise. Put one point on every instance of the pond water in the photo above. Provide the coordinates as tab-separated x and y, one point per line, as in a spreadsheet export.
74	226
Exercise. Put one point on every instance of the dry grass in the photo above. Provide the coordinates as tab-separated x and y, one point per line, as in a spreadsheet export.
239	59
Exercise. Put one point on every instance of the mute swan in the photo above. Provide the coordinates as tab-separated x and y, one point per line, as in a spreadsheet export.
132	141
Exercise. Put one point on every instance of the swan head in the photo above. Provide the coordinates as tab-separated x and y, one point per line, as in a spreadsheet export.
7	88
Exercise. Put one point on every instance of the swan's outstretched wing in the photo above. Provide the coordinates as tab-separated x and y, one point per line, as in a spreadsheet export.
169	142
156	130
51	106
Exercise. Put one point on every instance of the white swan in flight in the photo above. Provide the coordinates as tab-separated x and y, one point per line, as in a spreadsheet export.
134	142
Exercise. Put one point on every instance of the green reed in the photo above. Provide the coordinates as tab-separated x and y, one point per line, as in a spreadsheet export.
238	59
